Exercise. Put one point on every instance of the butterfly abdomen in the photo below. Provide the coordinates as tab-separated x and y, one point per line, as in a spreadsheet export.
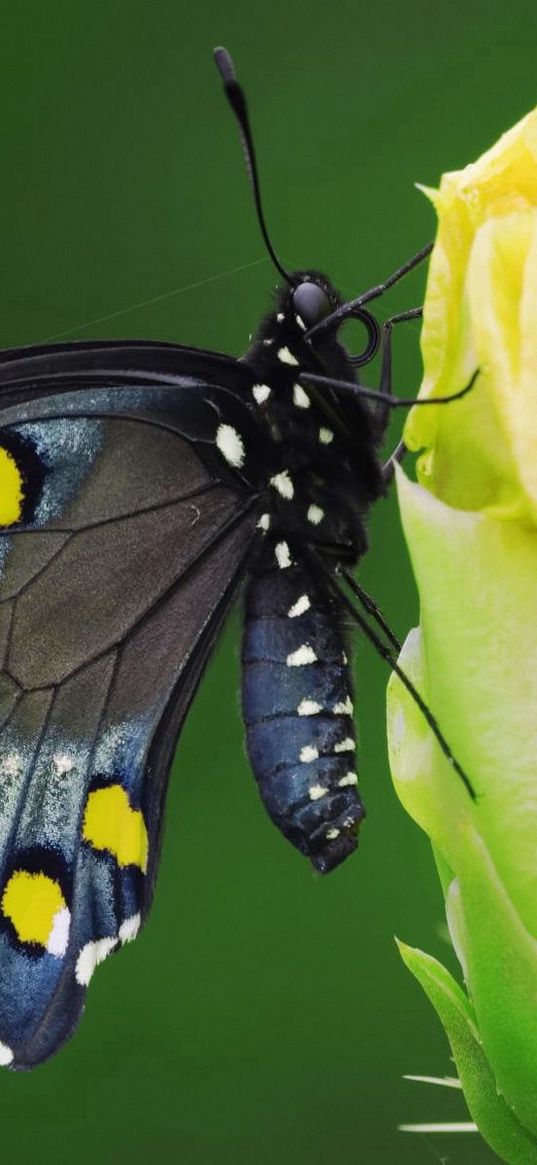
297	705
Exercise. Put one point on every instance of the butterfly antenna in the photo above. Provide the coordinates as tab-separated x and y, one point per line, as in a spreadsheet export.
237	100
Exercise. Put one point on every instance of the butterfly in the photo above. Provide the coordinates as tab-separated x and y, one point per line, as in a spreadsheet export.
142	486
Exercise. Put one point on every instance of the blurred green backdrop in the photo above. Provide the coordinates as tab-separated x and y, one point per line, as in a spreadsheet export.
263	1015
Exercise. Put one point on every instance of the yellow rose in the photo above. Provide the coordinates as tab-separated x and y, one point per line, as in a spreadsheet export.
470	526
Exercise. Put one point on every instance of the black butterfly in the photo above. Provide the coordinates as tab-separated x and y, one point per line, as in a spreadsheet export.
141	484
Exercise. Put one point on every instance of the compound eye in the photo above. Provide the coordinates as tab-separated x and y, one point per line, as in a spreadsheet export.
311	303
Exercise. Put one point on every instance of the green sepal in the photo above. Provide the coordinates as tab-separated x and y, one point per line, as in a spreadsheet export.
497	1123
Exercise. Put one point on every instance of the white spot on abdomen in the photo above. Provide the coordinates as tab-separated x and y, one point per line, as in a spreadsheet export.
316	791
282	482
308	708
302	604
348	779
347	745
230	445
302	656
344	708
286	356
308	753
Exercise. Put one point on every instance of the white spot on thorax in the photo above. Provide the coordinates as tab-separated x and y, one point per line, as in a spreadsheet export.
308	708
308	753
348	779
58	938
325	436
316	791
300	322
90	956
302	604
6	1055
347	745
230	445
345	708
300	398
282	482
303	655
264	522
129	928
283	555
280	317
315	514
268	342
261	392
286	356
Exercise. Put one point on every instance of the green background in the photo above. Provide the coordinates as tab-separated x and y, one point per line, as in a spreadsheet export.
264	1014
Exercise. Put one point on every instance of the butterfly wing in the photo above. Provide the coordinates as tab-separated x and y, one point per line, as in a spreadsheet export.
129	529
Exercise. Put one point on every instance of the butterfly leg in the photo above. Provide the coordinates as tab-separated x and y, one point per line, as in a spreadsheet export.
385	385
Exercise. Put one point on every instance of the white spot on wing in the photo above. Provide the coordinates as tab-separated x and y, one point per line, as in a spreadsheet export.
129	928
62	763
315	514
348	779
303	655
308	753
283	555
6	1055
286	356
280	317
90	956
261	392
347	745
264	522
282	482
300	322
300	398
325	436
302	604
308	708
11	765
230	445
317	791
331	834
59	935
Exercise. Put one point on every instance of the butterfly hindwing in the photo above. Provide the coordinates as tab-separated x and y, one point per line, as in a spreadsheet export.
115	576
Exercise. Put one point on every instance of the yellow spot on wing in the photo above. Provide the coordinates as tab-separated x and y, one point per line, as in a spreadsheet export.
31	902
11	493
111	824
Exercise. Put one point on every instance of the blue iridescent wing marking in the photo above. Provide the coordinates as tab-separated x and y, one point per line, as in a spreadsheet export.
113	585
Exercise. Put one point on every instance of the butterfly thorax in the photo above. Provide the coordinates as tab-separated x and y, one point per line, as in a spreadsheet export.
324	471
